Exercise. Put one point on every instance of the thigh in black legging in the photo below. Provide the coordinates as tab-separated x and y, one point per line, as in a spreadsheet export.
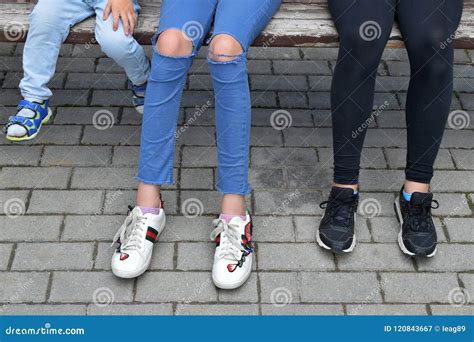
428	27
364	27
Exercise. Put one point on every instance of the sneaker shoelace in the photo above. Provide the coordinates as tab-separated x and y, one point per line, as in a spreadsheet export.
131	233
230	241
339	210
419	215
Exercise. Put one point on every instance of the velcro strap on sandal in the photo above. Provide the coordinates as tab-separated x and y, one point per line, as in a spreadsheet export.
28	105
18	120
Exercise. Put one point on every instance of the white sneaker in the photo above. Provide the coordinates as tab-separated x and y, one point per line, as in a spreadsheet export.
234	253
136	238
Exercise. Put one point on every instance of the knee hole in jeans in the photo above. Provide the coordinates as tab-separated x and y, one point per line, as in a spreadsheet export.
224	48
175	43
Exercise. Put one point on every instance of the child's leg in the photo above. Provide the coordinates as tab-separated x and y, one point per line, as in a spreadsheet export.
177	44
237	24
125	50
49	26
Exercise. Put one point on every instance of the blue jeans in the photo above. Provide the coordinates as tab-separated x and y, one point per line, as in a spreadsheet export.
50	22
243	20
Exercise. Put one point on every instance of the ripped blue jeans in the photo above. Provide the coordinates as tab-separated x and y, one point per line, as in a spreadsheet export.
243	20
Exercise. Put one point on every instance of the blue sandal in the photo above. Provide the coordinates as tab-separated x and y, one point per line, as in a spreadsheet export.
31	125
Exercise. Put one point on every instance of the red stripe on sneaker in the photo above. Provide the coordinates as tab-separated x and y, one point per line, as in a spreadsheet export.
151	234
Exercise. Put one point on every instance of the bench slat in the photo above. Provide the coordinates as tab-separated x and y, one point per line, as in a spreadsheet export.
296	24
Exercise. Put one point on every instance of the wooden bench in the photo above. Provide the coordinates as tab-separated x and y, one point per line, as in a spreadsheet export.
297	23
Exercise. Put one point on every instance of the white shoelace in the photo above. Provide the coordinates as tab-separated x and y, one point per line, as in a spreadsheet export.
131	233
230	242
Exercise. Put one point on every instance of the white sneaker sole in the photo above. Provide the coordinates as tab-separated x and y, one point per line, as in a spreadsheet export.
132	274
400	237
347	250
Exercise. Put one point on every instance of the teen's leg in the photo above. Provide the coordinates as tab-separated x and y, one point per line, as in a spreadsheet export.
173	55
237	24
49	21
428	28
364	27
125	50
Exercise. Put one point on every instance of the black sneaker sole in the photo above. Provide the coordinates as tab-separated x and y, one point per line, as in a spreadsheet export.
401	244
336	251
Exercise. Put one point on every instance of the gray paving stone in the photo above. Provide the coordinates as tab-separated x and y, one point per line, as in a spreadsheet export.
262	136
117	135
397	159
85	115
126	155
308	137
247	293
381	180
287	202
411	287
375	257
12	80
180	228
18	287
5	252
51	256
449	258
269	117
273	229
182	287
197	179
450	181
217	309
279	288
280	157
460	229
196	136
391	119
111	98
452	205
43	310
464	159
320	83
320	54
131	310
266	178
91	227
386	310
457	139
96	81
20	155
197	156
34	178
302	310
450	310
58	135
278	82
41	228
467	280
85	287
273	53
319	100
104	178
76	156
13	203
316	177
66	201
293	257
296	67
195	256
131	117
292	100
337	287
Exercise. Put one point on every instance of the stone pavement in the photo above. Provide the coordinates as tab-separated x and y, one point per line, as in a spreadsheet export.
63	196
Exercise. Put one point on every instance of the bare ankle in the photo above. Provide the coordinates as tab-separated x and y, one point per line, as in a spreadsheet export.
233	205
148	195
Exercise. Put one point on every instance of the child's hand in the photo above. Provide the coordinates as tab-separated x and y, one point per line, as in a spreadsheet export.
122	9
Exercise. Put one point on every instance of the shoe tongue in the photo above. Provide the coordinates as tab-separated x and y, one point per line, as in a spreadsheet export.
418	198
338	192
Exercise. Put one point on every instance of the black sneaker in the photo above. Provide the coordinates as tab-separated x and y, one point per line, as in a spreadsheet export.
336	230
417	235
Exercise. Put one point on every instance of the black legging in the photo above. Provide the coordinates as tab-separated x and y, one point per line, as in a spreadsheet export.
364	27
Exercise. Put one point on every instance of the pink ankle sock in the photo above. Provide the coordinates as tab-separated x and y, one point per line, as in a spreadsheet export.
227	217
154	211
